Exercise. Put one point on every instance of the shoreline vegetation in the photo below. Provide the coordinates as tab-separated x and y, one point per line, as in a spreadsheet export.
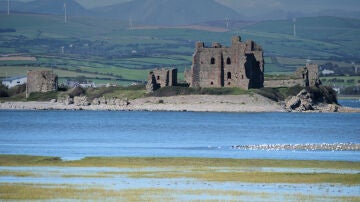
172	178
141	162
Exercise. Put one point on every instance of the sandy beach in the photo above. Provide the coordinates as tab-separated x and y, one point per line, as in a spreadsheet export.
195	103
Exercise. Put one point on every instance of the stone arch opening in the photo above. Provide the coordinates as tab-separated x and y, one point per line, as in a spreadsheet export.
212	83
212	61
229	75
158	78
228	61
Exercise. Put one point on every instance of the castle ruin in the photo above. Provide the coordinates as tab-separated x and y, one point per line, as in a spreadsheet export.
159	78
41	81
240	65
309	75
303	76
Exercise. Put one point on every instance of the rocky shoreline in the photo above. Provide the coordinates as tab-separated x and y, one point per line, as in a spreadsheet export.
195	103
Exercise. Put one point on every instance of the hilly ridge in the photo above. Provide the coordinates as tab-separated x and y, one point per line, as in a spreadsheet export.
169	12
148	12
50	7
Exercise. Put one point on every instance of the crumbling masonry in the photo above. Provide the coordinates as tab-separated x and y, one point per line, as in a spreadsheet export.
309	75
241	65
159	78
41	81
303	76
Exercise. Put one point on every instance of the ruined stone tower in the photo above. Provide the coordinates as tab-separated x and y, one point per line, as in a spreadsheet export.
309	75
241	65
159	78
41	81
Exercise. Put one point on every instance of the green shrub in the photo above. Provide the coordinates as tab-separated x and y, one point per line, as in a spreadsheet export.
77	91
279	94
37	96
3	91
182	90
16	90
135	87
271	93
92	93
172	91
292	91
323	94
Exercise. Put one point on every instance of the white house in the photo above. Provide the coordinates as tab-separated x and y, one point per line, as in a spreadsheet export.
14	81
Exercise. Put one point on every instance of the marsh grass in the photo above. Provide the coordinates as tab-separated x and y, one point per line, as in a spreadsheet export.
256	177
163	162
17	174
74	192
85	176
70	192
208	169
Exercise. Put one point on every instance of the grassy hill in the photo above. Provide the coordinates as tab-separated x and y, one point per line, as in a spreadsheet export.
107	51
338	37
169	12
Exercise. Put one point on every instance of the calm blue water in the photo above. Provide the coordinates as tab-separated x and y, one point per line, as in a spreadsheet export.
77	134
350	103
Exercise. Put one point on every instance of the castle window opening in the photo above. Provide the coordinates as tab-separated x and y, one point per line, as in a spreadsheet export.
229	75
158	78
242	76
212	61
212	83
229	83
228	61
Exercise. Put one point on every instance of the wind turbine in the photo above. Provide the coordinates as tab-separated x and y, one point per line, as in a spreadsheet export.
65	15
294	21
130	23
8	7
227	21
355	67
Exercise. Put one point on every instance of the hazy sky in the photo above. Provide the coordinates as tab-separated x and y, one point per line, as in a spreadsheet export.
249	7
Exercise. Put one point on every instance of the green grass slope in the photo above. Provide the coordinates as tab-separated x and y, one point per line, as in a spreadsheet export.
106	49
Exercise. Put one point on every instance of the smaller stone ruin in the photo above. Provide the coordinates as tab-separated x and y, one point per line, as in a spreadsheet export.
41	81
159	78
309	75
303	76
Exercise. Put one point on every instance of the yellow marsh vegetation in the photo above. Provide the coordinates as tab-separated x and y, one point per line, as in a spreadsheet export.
72	192
195	163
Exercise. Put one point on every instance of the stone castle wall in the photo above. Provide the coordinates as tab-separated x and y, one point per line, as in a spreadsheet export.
283	83
309	74
159	78
303	76
241	65
41	81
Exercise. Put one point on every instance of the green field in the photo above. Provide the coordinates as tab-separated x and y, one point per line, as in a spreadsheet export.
102	49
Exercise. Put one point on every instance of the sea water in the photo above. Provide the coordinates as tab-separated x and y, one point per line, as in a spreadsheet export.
78	134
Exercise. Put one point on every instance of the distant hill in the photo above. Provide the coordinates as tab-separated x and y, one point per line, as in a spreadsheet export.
186	12
52	7
169	12
111	44
148	12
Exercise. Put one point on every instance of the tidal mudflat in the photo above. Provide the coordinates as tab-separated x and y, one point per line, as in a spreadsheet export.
177	179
